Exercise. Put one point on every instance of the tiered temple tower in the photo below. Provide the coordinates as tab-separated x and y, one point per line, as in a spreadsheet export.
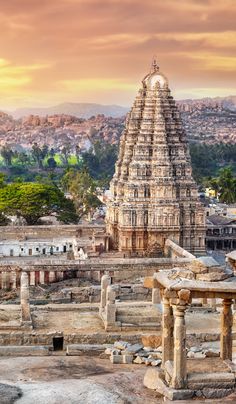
154	196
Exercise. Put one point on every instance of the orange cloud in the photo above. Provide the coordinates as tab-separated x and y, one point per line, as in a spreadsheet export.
94	50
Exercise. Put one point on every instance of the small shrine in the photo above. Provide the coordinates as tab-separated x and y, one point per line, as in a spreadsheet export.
204	279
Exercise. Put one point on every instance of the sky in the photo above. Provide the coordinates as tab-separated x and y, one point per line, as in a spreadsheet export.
55	51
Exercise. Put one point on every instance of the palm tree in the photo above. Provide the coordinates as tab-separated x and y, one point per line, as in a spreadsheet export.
227	185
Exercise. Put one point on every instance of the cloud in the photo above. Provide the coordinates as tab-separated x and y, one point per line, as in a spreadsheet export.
68	48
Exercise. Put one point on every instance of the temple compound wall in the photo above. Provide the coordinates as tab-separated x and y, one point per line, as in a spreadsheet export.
154	196
44	270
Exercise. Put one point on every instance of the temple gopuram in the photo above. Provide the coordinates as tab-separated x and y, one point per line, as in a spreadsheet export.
154	196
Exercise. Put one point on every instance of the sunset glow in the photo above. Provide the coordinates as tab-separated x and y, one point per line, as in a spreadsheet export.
98	51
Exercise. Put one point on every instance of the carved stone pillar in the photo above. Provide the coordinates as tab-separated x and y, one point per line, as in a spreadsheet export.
13	279
52	276
32	278
226	330
24	298
110	311
167	332
41	277
180	357
105	282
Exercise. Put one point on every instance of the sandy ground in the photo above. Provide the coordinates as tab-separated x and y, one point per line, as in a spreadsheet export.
73	380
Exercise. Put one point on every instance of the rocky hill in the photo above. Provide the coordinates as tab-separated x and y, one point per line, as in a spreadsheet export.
58	130
207	120
210	120
80	110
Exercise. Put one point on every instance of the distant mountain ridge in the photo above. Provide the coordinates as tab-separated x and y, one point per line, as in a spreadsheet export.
86	110
80	110
228	103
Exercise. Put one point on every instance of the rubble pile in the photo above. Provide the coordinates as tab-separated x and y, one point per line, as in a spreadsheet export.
126	353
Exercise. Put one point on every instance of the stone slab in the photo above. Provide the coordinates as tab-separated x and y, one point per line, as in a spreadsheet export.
24	350
86	349
217	380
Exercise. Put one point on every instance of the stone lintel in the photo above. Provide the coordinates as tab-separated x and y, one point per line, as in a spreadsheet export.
197	294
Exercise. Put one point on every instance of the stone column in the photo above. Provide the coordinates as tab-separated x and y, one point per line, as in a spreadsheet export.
156	296
32	278
110	311
13	278
226	330
41	277
24	298
52	276
180	357
105	282
167	332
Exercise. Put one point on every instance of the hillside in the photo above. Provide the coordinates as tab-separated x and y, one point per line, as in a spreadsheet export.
208	120
80	110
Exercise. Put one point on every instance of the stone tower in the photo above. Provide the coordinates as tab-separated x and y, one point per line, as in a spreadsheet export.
154	196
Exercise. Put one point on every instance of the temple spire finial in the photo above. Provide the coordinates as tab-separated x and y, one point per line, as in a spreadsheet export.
154	67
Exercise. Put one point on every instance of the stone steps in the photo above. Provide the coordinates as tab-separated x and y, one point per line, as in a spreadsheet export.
137	319
144	326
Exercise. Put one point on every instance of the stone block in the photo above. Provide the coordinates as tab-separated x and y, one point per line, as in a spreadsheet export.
213	276
212	353
127	358
122	345
216	393
116	359
156	362
155	355
154	380
138	360
152	377
217	380
147	361
24	350
133	348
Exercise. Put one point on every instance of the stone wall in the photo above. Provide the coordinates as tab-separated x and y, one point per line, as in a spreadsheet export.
47	232
44	271
173	250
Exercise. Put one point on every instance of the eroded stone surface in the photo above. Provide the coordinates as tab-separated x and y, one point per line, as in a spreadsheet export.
9	394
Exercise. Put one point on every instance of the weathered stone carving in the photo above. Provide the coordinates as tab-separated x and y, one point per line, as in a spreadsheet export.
154	196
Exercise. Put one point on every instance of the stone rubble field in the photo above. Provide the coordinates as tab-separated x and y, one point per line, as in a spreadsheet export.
126	353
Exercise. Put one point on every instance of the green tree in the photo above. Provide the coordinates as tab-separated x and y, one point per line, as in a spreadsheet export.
51	163
39	154
33	200
2	180
7	155
65	154
227	185
83	191
100	161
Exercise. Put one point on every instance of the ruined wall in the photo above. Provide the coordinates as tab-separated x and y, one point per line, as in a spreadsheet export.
44	271
173	250
37	232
